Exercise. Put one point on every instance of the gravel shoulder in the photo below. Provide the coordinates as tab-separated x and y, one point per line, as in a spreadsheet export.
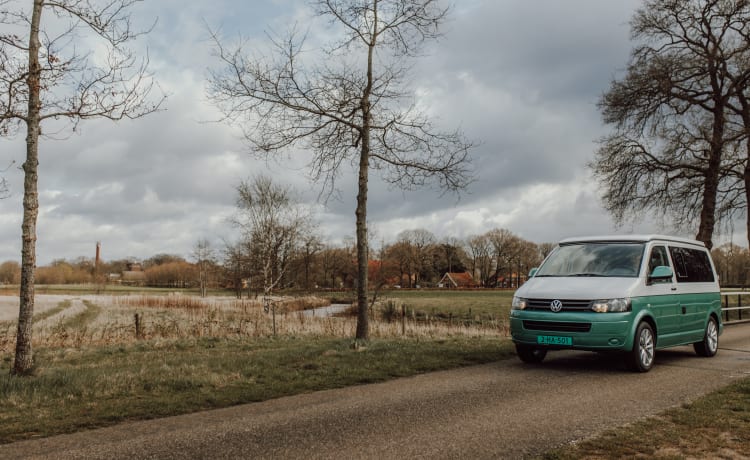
500	410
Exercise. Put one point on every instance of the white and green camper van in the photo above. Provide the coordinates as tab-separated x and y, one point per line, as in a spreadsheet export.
633	294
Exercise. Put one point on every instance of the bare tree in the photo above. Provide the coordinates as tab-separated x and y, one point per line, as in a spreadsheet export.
545	249
328	267
311	246
528	256
507	247
670	113
46	74
161	259
273	225
4	187
235	266
452	256
419	244
203	254
10	272
732	264
480	248
351	106
738	192
399	255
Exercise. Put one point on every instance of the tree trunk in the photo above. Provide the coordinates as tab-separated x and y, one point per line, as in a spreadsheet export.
711	183
363	327
708	205
745	114
24	359
307	271
747	185
363	323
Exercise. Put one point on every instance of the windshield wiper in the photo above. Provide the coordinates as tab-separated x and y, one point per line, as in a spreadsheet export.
587	274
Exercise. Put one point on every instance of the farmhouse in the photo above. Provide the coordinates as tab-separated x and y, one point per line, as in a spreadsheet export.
134	275
457	280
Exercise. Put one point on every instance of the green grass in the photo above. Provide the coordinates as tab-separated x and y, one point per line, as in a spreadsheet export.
76	389
485	303
715	426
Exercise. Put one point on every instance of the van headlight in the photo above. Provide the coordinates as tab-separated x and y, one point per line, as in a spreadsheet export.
519	303
611	305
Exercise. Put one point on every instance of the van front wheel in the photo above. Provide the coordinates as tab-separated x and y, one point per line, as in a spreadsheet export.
641	358
710	343
529	354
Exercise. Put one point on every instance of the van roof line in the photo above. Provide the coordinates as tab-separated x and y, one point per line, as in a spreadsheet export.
632	238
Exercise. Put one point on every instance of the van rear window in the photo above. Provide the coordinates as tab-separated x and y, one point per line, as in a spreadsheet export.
691	265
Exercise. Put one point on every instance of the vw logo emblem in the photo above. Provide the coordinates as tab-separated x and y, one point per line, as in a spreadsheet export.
556	306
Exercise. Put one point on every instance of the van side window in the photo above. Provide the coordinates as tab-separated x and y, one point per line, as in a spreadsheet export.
658	258
691	265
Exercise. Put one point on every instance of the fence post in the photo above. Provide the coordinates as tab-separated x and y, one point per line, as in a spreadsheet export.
726	302
138	326
739	304
273	308
403	319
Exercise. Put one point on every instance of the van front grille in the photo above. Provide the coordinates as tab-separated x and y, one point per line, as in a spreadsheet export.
567	305
556	326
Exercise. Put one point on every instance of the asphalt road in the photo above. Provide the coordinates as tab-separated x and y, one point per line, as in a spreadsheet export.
499	410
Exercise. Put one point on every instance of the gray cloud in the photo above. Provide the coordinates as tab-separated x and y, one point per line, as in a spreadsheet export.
521	78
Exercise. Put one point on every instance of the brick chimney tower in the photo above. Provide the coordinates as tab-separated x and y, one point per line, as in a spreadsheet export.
98	256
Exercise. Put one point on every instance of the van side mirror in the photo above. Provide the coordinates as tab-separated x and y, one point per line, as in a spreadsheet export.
533	271
661	273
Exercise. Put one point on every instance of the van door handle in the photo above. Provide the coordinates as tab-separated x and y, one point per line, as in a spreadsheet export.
684	310
673	289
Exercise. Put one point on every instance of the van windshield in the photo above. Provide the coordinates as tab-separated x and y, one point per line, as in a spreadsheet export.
594	259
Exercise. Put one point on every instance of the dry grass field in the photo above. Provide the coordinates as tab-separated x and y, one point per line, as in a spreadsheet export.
69	321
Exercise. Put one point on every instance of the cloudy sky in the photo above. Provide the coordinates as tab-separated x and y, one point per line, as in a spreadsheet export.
521	78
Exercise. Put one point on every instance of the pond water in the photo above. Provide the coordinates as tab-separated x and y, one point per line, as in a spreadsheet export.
330	310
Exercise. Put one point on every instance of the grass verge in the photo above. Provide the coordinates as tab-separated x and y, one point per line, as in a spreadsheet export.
714	426
77	389
458	303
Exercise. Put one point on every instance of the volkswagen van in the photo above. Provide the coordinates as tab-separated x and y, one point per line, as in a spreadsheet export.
628	294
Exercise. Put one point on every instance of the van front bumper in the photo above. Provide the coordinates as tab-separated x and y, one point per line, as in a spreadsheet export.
588	331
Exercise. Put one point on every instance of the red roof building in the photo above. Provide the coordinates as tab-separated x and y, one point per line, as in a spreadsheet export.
457	280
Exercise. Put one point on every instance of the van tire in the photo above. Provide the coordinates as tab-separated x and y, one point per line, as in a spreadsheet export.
710	343
530	354
641	358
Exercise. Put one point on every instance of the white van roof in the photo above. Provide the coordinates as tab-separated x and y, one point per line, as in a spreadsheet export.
632	238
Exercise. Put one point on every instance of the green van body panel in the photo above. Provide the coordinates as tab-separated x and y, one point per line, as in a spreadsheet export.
678	312
615	331
616	326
